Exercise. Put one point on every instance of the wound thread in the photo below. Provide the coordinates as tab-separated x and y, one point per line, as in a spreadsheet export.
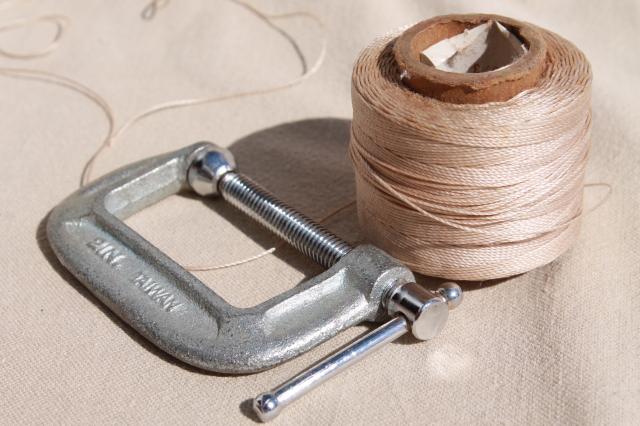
471	191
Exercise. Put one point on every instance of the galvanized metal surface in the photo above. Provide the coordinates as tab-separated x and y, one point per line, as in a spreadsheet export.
179	313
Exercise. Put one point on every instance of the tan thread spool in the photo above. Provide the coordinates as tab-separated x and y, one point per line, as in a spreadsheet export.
471	176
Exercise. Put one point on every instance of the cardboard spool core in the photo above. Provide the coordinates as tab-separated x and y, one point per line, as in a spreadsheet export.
468	88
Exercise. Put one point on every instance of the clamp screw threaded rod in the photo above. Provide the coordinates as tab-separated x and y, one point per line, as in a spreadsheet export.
297	229
213	172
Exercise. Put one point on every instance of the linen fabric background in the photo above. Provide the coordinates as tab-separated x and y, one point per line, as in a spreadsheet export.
559	344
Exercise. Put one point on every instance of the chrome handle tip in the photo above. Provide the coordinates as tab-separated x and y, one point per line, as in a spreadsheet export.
266	406
452	294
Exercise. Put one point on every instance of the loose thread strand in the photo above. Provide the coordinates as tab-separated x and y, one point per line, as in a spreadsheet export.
149	12
182	103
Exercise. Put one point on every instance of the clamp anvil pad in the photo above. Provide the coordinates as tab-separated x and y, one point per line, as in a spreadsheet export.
182	316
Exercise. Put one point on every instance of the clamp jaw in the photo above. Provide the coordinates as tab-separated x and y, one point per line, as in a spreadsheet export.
181	315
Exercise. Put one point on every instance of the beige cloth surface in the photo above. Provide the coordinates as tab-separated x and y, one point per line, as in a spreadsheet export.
560	344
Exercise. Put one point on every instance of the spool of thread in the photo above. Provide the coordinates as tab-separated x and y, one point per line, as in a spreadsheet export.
471	176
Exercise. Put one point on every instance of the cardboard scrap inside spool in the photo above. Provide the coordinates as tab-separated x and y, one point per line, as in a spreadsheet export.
487	47
472	84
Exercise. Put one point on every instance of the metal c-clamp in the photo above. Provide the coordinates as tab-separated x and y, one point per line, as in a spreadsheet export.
181	315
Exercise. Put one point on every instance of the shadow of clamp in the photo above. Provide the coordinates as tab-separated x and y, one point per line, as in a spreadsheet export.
182	316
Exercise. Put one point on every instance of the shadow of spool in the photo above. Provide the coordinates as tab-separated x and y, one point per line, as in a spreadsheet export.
306	165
